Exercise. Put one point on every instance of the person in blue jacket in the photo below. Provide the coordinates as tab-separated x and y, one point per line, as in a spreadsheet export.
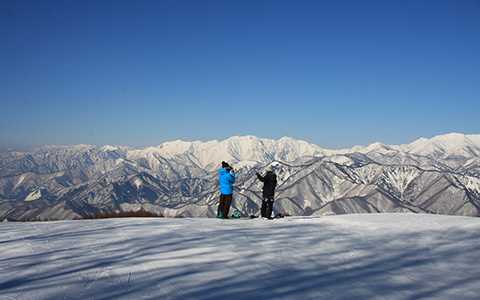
226	177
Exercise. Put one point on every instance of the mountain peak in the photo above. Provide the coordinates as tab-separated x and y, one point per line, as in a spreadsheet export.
242	138
287	138
108	148
450	137
450	144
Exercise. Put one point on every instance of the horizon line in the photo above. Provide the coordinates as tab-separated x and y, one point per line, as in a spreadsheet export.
138	147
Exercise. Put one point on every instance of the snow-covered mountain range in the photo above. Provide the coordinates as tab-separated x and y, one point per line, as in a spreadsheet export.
178	178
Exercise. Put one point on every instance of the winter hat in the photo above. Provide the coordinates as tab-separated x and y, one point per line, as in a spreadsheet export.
225	164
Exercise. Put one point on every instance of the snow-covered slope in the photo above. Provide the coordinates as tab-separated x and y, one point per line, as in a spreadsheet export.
387	256
453	144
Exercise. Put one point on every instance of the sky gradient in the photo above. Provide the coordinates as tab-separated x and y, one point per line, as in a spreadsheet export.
336	73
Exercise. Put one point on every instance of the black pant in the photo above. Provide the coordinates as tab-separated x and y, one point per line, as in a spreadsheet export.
267	206
224	206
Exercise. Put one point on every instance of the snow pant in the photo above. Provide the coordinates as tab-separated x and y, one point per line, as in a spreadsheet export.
267	206
224	206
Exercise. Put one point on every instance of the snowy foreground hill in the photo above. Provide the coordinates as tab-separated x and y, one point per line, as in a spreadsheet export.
440	175
369	256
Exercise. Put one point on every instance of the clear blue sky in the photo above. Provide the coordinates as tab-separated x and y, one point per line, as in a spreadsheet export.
336	73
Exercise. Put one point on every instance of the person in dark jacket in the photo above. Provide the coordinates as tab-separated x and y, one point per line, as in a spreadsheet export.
269	184
226	177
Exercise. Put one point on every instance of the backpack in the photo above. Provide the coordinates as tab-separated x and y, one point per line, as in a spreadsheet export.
236	214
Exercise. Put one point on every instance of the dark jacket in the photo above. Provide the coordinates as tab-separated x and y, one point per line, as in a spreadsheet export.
269	184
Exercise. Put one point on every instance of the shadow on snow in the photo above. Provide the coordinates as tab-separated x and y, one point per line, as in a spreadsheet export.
123	259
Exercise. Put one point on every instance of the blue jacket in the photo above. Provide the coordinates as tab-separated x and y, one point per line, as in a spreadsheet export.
226	179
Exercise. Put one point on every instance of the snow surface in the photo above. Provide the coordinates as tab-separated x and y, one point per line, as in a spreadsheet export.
21	179
34	195
384	256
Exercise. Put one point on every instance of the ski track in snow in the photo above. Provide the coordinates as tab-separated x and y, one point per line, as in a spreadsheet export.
384	256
